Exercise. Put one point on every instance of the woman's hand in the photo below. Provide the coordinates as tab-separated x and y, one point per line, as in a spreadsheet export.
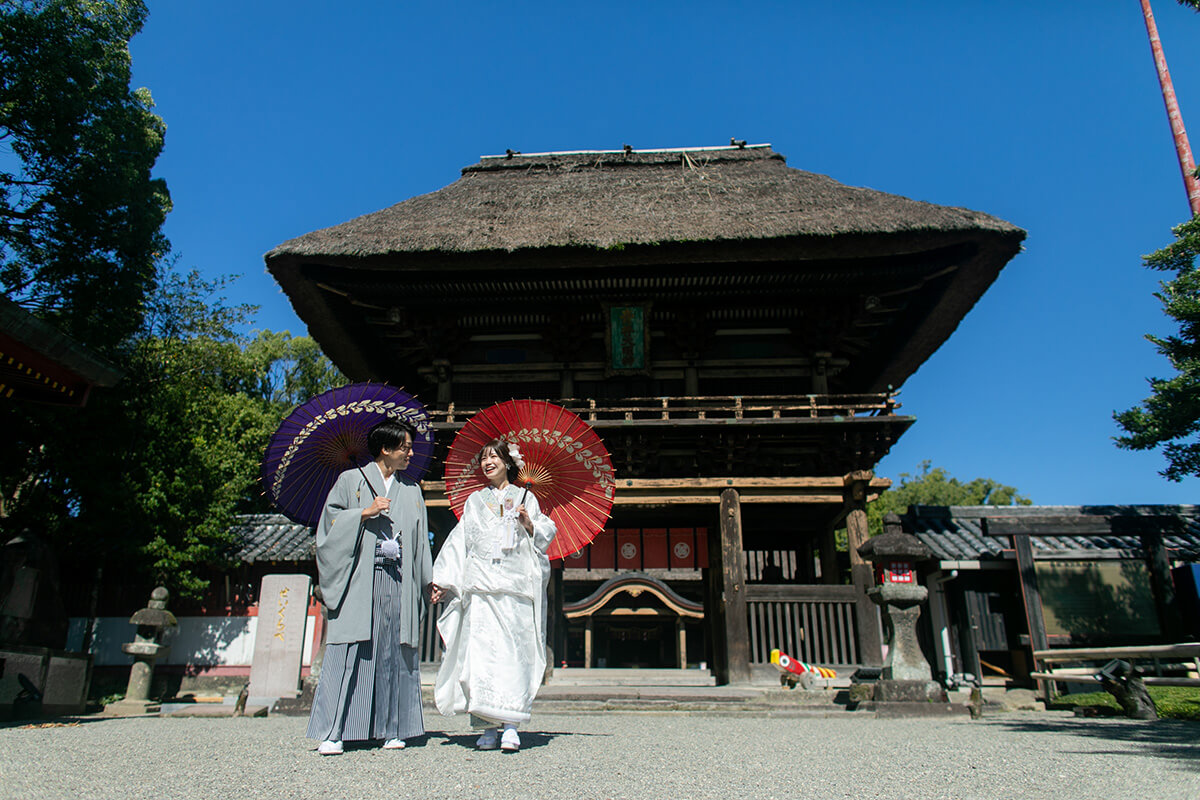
523	518
377	507
436	593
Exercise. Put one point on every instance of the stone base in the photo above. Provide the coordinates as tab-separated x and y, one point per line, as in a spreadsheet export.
215	710
896	710
132	708
301	704
888	691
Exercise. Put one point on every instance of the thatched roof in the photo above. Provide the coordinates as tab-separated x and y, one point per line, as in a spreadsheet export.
546	219
613	199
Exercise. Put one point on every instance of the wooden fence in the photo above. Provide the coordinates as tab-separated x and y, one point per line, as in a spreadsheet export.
812	623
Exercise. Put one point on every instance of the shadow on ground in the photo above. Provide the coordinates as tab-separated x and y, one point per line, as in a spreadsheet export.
1173	740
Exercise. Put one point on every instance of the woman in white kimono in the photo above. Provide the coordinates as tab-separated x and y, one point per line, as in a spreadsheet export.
493	569
375	575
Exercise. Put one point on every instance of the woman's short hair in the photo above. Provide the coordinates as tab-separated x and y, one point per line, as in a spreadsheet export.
389	435
500	448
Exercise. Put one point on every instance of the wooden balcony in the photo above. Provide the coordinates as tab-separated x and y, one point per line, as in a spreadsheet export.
784	436
655	411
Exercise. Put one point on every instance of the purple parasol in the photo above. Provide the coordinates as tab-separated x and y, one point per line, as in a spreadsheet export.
327	435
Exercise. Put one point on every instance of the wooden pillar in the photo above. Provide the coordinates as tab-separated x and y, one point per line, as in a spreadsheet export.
732	586
1162	587
1031	598
681	638
829	561
587	644
444	373
691	380
559	626
870	643
820	376
553	603
566	382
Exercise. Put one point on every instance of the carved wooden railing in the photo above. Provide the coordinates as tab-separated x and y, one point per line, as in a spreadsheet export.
731	407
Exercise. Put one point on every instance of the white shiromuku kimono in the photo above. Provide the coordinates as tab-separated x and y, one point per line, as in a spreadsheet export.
493	623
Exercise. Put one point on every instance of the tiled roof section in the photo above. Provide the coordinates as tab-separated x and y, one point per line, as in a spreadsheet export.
956	533
272	537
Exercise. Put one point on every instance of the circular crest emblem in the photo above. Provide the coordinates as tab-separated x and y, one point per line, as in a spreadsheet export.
682	550
629	550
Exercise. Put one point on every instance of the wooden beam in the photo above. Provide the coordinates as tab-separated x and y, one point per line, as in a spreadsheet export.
658	492
1156	651
1082	525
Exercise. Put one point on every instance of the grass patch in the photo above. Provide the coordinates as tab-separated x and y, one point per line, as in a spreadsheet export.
1172	702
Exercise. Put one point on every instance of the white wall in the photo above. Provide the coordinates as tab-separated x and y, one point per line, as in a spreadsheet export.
198	641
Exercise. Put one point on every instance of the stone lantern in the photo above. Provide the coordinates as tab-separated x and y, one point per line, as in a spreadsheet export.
906	676
145	648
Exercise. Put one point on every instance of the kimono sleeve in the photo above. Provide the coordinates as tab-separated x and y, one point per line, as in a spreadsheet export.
451	561
337	535
544	528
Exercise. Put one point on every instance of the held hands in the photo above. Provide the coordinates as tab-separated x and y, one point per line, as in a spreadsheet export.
436	593
377	507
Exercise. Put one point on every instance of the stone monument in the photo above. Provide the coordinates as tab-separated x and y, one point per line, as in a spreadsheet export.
145	648
279	638
37	677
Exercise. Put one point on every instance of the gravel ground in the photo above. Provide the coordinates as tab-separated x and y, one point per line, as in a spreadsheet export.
616	755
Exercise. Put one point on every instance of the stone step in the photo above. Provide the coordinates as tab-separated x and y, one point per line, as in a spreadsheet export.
631	677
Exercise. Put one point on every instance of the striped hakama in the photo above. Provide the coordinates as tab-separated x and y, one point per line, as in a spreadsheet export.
371	690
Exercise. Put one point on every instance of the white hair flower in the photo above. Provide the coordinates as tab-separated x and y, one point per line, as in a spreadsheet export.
514	453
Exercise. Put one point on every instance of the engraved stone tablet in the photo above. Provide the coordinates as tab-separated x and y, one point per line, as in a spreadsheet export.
279	638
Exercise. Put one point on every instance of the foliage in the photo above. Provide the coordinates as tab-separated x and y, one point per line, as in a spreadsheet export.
149	475
1170	417
933	486
1172	702
80	216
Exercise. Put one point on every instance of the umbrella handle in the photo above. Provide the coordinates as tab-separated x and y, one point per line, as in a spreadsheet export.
524	494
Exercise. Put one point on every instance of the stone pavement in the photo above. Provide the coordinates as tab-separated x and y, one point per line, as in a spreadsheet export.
615	754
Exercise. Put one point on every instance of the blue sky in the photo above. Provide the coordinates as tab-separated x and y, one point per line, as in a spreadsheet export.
287	117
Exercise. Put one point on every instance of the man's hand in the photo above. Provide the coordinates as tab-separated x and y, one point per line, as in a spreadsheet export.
377	507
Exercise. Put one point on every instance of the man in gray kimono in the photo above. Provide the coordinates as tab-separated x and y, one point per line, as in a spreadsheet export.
375	570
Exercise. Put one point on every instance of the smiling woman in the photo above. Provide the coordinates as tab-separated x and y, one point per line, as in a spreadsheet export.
494	569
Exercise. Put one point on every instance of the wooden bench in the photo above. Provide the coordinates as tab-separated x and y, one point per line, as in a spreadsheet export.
1157	653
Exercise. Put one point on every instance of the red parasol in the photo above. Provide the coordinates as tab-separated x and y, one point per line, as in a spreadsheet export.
567	467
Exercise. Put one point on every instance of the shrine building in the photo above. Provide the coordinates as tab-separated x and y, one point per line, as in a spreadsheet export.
734	329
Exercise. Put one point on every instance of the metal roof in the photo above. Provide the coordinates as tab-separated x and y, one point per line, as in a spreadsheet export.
957	533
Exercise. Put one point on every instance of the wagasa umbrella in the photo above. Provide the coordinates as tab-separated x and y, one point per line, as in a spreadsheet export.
567	466
327	434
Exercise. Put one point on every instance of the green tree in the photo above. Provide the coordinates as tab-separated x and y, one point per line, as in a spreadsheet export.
146	479
933	486
1170	417
80	215
180	441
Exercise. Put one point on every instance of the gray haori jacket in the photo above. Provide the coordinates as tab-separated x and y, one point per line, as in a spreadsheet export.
337	533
